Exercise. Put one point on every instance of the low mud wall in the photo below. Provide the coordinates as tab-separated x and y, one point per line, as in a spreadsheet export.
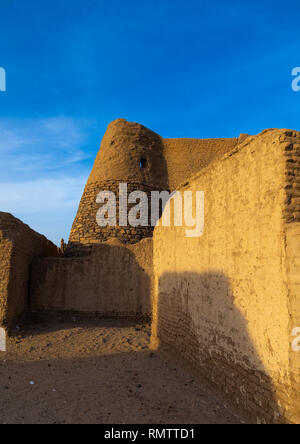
19	246
114	280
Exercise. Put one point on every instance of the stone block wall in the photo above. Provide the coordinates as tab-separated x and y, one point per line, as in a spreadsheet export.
85	230
19	246
227	301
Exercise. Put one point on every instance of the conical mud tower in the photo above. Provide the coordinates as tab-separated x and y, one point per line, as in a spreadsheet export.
129	153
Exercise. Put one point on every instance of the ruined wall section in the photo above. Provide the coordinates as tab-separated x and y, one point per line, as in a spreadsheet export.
227	301
115	280
19	245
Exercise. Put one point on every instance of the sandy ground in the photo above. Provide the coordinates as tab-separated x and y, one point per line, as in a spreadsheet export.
84	370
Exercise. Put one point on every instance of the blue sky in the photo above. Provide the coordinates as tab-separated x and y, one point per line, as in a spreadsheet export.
183	68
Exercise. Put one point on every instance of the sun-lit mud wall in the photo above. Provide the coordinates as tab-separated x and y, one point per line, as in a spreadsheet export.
19	245
292	241
114	280
225	301
185	157
293	264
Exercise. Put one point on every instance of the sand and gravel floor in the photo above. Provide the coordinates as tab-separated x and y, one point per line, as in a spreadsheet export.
64	370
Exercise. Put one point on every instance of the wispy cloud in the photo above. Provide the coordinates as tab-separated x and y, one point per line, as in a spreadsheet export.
41	196
43	171
36	146
46	205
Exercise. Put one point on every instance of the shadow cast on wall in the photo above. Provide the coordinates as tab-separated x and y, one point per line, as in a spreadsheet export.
195	314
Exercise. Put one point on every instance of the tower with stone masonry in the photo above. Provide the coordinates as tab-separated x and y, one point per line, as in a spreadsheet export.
131	154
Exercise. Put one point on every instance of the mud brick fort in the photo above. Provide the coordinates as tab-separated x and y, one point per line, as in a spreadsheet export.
226	302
